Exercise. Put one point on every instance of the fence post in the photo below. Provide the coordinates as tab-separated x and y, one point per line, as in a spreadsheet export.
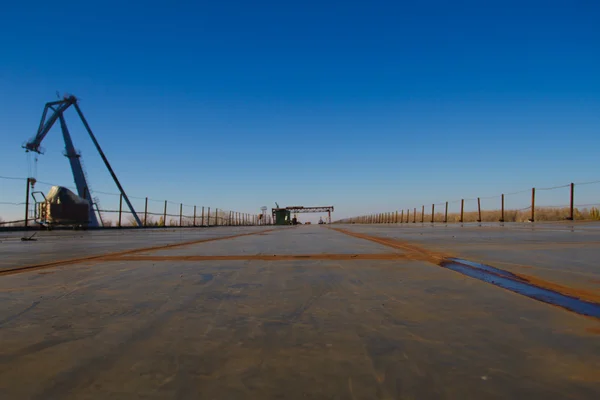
423	214
146	213
396	219
415	215
208	217
180	215
479	209
27	202
502	208
202	222
194	223
120	208
532	205
446	214
572	208
432	213
216	217
462	210
165	215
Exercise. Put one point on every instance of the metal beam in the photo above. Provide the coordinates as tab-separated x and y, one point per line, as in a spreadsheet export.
78	175
303	210
112	173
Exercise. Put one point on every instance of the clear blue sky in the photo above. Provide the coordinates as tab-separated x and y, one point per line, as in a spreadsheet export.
370	105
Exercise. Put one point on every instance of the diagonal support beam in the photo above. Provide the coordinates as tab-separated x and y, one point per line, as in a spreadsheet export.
112	173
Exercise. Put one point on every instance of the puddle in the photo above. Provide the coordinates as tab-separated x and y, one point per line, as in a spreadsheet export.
516	284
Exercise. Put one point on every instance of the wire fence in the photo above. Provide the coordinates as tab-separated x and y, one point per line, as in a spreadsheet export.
112	211
537	204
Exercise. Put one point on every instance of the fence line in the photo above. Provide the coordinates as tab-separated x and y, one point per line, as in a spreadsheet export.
201	216
532	212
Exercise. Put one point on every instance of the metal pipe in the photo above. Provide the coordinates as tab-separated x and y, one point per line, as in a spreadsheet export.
202	224
194	223
208	217
423	214
180	215
462	210
432	213
479	209
502	208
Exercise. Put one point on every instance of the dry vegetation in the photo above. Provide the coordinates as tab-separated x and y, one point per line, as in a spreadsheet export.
541	214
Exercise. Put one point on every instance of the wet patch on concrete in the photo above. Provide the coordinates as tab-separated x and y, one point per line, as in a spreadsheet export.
515	283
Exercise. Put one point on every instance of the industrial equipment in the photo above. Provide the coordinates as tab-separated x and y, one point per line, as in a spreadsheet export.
54	111
61	207
283	214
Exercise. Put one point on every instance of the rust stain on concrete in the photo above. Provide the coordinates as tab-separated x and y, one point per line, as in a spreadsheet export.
260	257
100	257
593	330
412	251
567	290
419	253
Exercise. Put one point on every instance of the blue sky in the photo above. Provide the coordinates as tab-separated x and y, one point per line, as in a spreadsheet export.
370	106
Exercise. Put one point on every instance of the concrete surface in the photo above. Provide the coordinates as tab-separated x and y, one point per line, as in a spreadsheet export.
61	245
171	327
567	254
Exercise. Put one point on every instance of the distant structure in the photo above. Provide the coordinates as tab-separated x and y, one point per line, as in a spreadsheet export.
263	215
281	215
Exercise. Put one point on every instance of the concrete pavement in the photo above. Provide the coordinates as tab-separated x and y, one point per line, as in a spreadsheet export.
160	324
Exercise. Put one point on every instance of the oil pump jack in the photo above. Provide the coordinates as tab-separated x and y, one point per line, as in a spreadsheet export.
54	111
